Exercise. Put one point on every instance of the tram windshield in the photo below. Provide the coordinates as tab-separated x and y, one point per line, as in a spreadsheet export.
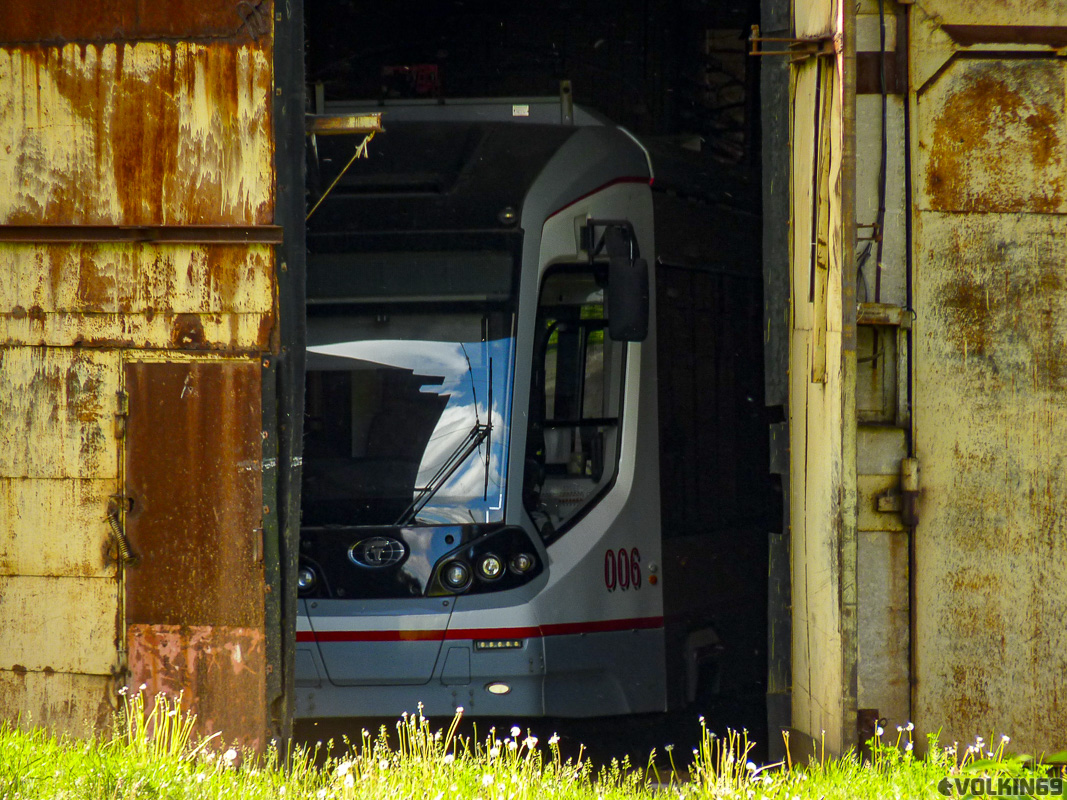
407	418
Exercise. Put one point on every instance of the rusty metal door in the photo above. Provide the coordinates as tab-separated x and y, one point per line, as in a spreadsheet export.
193	498
988	87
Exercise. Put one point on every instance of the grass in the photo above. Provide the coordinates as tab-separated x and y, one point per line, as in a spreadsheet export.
151	754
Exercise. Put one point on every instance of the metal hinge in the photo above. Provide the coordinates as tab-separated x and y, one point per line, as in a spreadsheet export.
122	414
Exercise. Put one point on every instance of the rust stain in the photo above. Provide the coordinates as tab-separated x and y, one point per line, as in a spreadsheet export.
220	672
128	20
139	134
996	143
1002	306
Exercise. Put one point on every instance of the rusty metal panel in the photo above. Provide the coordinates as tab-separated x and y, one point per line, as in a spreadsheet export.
990	416
193	476
57	412
221	669
58	624
137	134
990	374
55	527
145	296
992	138
71	20
79	705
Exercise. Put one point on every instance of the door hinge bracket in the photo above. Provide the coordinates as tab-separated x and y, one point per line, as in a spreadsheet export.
122	413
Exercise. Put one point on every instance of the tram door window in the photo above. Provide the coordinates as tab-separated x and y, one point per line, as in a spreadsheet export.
575	403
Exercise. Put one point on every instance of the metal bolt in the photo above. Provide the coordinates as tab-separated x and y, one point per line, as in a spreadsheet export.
265	435
266	509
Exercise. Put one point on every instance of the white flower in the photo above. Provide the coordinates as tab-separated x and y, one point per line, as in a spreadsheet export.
349	781
143	687
1005	739
878	730
123	690
487	779
281	791
200	777
321	793
512	745
908	747
383	763
449	758
554	740
910	726
530	742
515	731
230	755
900	729
751	766
343	769
494	752
459	709
978	742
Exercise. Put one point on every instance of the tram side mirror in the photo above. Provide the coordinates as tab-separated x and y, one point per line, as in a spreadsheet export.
627	289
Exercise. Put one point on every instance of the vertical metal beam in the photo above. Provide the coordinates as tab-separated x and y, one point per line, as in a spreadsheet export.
289	213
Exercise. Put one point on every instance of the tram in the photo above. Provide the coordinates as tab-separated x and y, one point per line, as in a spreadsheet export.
534	442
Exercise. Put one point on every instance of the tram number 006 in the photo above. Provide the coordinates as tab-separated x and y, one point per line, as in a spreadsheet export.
622	569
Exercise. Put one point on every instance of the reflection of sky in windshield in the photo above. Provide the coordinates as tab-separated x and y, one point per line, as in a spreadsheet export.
463	496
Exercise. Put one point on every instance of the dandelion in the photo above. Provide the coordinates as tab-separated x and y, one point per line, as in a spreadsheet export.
343	769
494	752
143	687
530	742
900	729
321	793
978	742
383	763
459	709
515	731
751	766
910	726
1004	739
123	690
281	791
512	746
487	779
878	730
909	746
230	755
200	777
554	740
669	748
349	781
448	758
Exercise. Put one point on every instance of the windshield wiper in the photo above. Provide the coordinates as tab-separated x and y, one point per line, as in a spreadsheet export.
475	436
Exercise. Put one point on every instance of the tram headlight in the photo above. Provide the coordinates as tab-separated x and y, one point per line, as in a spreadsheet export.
456	576
306	579
522	563
491	567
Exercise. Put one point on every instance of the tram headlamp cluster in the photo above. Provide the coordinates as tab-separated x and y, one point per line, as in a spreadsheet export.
499	560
